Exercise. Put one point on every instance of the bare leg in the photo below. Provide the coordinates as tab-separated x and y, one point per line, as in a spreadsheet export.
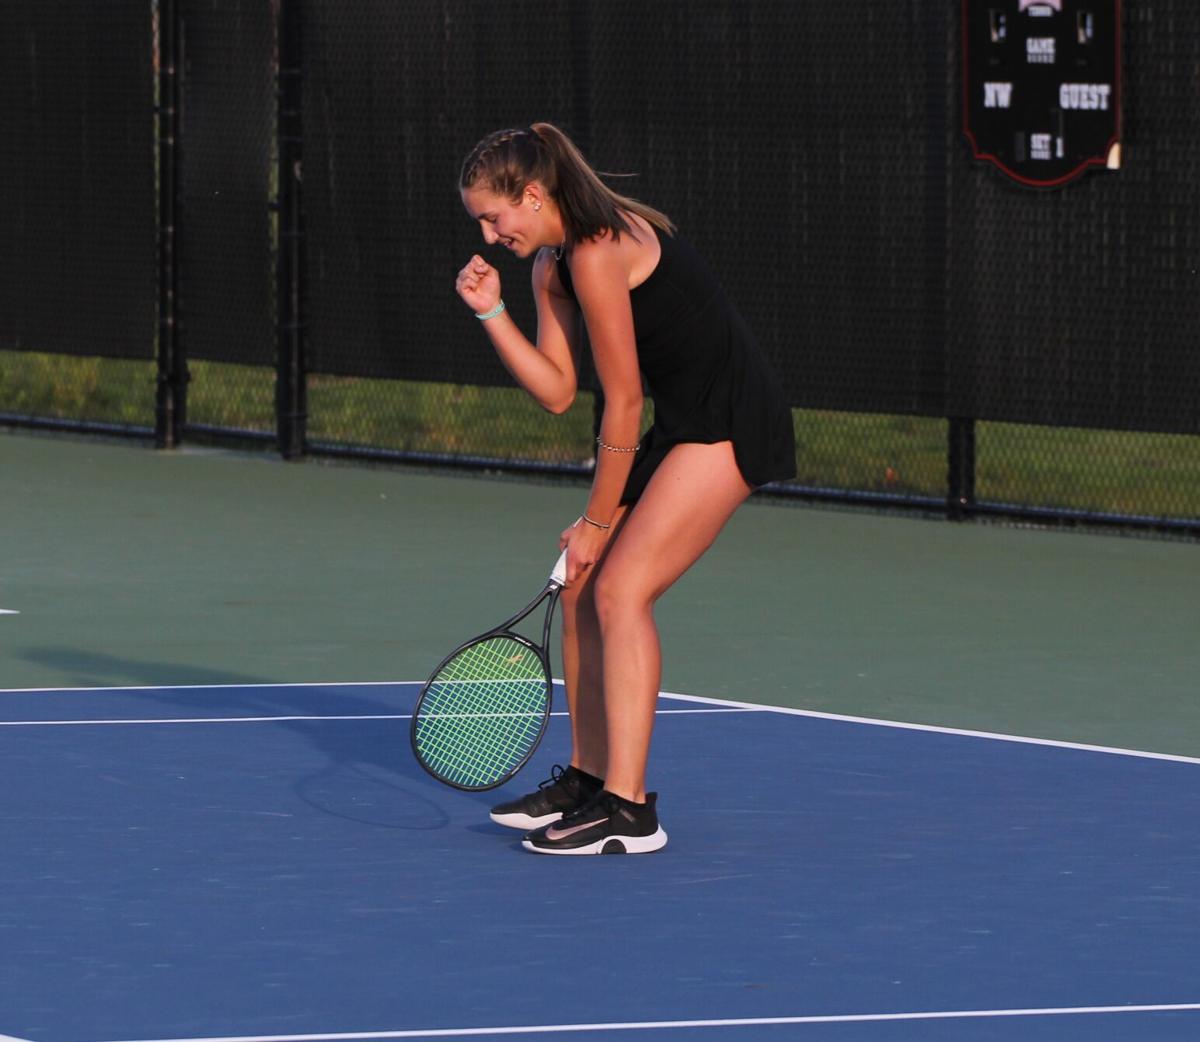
693	493
583	668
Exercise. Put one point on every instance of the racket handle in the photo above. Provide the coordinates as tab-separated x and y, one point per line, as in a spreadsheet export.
558	575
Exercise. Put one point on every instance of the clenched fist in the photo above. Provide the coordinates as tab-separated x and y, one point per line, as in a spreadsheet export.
479	285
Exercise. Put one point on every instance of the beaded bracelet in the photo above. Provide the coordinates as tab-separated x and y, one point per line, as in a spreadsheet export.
597	524
483	316
615	448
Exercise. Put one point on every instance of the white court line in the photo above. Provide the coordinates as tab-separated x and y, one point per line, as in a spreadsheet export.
10	1038
934	729
649	1025
723	702
277	719
7	611
195	720
210	687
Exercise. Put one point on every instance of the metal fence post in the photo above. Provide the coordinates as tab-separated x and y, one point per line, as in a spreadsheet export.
960	493
291	392
170	413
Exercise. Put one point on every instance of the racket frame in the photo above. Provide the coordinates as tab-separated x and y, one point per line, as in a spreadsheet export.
554	586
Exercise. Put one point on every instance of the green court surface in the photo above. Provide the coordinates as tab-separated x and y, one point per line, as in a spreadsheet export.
133	567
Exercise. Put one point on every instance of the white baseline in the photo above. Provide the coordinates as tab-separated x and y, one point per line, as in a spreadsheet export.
724	703
285	719
646	1025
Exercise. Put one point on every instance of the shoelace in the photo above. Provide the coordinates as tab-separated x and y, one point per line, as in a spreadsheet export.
556	774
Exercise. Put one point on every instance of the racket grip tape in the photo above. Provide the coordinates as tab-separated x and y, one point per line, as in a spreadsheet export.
558	574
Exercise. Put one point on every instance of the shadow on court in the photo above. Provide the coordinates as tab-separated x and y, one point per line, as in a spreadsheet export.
364	770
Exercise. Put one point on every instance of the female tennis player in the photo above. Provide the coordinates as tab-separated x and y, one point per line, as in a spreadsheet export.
655	317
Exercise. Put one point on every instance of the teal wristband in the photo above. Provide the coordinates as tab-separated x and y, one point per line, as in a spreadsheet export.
483	316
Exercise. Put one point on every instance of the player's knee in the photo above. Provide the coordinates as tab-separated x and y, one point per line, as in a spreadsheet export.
615	597
606	597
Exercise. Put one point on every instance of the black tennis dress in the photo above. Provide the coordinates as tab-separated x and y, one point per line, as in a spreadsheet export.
705	371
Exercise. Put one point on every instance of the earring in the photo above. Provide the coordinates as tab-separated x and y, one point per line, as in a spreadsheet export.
536	203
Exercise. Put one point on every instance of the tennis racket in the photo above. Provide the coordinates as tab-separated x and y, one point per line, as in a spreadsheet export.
484	710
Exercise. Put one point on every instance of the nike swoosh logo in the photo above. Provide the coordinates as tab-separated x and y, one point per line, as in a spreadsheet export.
554	832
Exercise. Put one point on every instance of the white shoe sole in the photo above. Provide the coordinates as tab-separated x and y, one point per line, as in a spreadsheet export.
609	845
524	822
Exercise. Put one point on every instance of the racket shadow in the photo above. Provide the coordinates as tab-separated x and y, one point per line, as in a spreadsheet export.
366	773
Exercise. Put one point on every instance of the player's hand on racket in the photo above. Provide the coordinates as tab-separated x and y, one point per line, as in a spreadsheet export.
479	285
584	544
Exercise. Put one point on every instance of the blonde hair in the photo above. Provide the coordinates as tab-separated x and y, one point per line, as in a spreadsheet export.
507	160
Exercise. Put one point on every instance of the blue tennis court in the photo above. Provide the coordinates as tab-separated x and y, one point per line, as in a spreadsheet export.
269	862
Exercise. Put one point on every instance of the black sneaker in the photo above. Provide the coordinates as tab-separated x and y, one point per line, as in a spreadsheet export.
606	825
561	793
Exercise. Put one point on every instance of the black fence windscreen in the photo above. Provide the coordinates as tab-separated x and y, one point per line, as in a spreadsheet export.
815	154
793	143
1081	306
394	97
77	203
944	335
748	130
227	124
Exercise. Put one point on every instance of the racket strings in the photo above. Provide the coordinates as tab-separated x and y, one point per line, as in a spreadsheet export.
474	743
482	712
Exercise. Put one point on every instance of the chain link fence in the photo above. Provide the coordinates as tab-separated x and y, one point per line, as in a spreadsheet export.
946	338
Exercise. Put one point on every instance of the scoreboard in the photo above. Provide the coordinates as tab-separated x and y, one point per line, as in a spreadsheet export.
1042	86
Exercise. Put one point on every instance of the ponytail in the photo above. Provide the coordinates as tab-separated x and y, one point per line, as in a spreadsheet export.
507	160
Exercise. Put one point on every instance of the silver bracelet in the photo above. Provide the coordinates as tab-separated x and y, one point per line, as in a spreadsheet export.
597	524
615	448
483	316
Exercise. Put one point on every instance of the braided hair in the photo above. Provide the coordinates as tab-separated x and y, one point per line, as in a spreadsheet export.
507	160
